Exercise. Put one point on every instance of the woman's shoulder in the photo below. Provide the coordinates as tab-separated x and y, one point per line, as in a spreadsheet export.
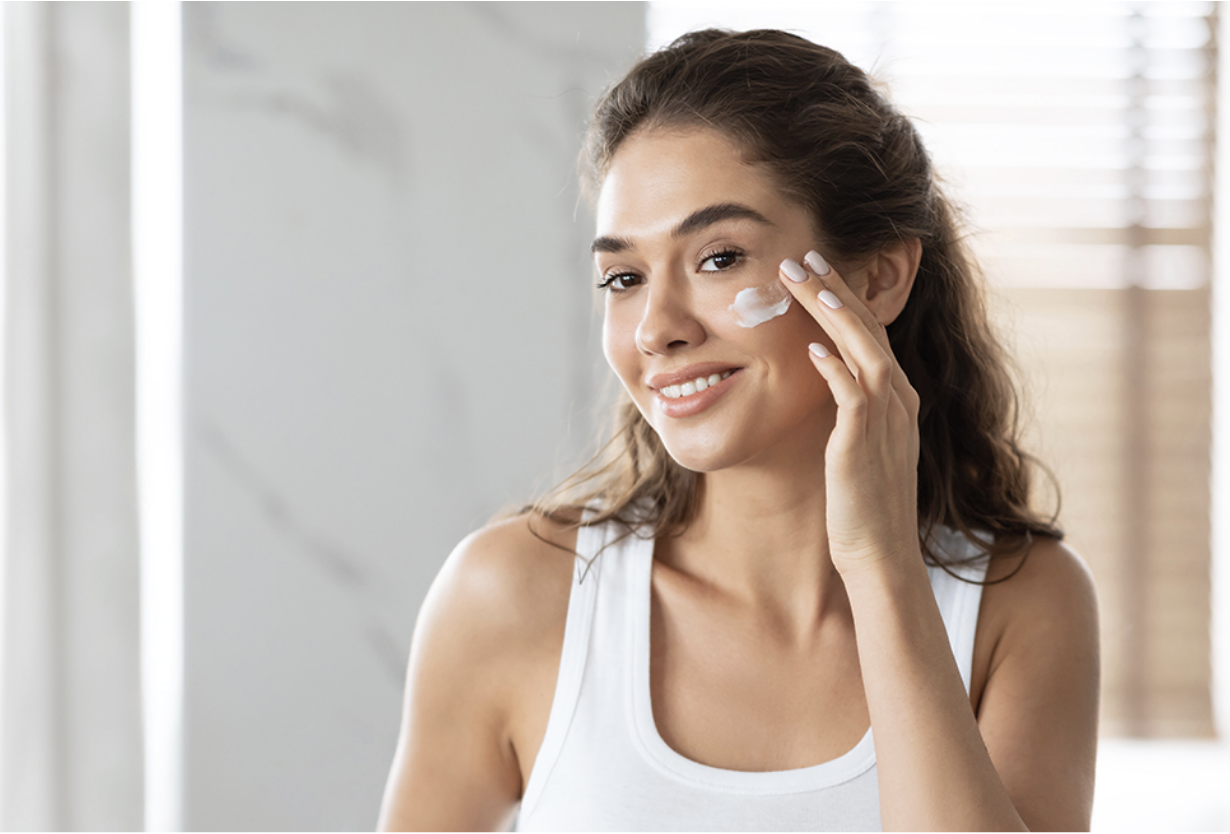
1049	577
507	581
482	666
1041	607
499	604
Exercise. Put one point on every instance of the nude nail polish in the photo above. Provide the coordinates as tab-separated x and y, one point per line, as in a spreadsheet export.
793	271
818	264
829	300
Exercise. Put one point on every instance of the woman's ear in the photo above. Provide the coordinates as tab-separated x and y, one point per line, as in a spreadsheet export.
890	277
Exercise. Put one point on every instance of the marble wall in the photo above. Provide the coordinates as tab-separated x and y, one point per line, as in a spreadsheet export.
390	336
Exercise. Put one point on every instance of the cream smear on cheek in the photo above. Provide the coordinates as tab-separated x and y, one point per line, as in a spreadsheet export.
756	305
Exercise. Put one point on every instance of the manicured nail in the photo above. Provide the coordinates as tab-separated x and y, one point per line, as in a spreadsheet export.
818	264
820	350
793	271
829	300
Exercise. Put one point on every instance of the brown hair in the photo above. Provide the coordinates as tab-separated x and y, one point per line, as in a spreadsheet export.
840	149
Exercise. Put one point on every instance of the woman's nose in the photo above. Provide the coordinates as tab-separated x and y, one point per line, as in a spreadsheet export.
668	321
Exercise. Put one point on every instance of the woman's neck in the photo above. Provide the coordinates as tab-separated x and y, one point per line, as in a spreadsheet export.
759	535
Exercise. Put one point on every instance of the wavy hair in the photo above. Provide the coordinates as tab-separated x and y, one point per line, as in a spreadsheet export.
835	145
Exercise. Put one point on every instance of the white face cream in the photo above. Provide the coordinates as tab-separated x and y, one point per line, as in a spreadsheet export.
756	305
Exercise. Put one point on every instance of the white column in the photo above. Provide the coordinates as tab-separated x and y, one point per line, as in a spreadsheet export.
70	722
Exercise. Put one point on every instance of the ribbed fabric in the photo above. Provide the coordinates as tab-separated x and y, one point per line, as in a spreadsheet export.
604	767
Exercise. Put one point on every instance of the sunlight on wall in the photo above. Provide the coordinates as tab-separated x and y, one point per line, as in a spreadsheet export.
157	184
4	434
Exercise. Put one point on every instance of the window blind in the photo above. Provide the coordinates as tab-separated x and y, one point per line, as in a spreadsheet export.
1079	138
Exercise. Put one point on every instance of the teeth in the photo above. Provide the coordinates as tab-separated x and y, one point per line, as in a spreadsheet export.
687	389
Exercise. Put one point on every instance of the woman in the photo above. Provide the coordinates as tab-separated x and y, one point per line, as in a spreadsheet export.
811	592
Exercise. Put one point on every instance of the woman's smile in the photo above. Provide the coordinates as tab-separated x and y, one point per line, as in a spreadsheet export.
695	394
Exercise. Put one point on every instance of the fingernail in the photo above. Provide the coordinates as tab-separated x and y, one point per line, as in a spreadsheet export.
818	349
793	271
818	264
829	300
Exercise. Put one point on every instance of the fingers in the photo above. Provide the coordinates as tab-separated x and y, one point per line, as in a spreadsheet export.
863	418
829	292
851	399
860	338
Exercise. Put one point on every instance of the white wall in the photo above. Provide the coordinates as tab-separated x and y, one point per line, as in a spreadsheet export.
388	311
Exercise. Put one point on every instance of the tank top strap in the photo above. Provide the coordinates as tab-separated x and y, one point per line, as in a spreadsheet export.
597	550
958	593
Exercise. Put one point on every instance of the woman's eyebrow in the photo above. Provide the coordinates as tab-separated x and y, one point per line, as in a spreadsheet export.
694	222
709	215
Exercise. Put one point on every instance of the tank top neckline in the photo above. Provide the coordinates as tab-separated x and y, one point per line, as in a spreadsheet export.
666	759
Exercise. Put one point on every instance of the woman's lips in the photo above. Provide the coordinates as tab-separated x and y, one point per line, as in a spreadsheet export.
690	404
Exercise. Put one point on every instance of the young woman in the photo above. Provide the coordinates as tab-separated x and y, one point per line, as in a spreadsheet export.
804	589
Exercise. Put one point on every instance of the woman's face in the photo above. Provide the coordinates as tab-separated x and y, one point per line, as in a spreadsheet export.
690	238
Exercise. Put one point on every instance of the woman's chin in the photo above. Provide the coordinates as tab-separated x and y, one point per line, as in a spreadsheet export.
702	458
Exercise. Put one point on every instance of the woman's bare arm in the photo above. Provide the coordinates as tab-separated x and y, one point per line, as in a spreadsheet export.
1038	713
1027	761
487	640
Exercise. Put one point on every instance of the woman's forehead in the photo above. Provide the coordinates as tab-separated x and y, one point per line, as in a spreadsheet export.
659	177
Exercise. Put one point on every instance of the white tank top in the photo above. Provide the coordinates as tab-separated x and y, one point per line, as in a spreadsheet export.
603	766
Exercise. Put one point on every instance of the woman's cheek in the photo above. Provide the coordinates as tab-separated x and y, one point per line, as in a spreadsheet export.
619	340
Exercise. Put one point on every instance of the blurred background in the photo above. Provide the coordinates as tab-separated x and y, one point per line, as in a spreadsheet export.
296	295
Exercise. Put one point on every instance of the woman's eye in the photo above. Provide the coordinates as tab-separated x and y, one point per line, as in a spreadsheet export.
619	281
719	261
